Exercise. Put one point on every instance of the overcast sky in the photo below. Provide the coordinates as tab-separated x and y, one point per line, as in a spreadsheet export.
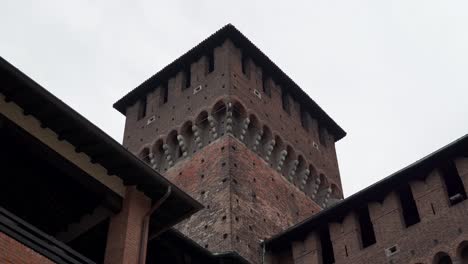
393	74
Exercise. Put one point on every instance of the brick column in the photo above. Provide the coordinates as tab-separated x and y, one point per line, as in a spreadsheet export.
123	238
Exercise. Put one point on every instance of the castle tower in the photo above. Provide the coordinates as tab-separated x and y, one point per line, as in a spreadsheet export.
226	125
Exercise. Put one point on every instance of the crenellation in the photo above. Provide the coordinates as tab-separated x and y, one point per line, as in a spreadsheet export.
386	217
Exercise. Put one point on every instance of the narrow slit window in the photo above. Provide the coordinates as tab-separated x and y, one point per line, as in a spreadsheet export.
164	93
366	227
408	206
142	108
265	87
187	78
244	64
285	101
211	61
328	256
453	183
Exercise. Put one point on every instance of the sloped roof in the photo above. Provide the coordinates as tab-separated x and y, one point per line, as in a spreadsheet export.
241	41
89	139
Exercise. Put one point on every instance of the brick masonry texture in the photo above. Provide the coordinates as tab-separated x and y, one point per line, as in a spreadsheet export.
228	82
245	199
11	251
124	234
442	228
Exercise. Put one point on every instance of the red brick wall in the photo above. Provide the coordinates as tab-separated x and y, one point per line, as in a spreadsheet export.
11	251
123	239
227	80
443	228
287	125
245	199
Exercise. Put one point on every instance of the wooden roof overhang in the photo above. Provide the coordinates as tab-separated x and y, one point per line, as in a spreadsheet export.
86	138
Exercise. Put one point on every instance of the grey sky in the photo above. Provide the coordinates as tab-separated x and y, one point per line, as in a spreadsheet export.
393	74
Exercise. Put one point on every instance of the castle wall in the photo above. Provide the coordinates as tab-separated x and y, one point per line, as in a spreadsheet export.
442	228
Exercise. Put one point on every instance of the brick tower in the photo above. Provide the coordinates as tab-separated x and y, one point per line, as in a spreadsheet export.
225	124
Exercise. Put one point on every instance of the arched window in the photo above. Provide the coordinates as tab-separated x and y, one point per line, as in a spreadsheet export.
442	258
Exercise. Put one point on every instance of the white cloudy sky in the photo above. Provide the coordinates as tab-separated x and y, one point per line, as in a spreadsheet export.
393	74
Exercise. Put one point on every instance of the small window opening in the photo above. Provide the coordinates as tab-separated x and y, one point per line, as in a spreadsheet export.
211	62
409	207
244	63
142	108
346	250
285	100
187	78
453	183
327	247
164	93
366	228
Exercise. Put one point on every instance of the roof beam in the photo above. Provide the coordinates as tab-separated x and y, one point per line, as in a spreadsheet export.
86	222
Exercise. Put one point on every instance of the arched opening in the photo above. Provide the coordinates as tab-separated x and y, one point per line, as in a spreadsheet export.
201	130
442	258
158	160
265	141
289	163
275	153
300	171
188	138
463	252
145	155
252	132
322	194
310	183
335	195
238	116
219	114
173	145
